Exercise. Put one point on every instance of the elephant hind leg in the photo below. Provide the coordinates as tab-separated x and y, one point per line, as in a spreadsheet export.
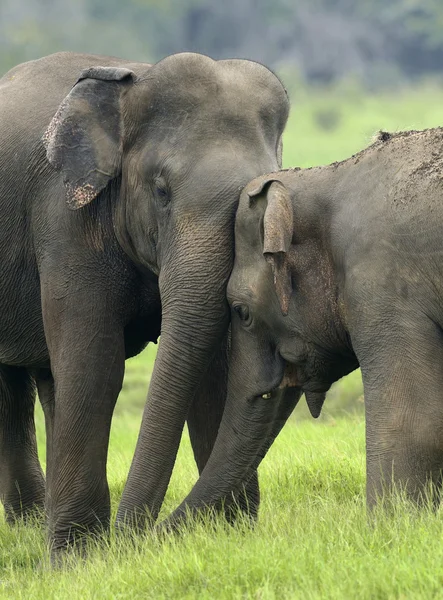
203	421
22	485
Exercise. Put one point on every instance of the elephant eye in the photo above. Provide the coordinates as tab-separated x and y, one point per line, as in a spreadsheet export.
161	190
162	193
242	311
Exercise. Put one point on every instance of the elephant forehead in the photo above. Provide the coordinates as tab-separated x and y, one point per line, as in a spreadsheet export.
249	280
249	227
241	287
190	82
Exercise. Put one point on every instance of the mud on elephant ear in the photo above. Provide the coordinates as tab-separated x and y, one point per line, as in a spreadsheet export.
85	137
278	227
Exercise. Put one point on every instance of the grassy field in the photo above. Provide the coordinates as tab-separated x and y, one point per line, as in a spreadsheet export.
312	539
330	124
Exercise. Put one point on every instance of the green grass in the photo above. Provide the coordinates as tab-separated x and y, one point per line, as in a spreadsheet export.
312	539
329	124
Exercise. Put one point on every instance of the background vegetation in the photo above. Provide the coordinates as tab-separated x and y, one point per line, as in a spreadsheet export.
352	68
379	43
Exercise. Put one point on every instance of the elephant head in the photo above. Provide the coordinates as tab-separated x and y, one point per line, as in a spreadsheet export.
178	140
288	335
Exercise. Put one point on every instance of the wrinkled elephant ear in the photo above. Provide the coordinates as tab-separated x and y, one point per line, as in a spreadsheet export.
278	227
84	139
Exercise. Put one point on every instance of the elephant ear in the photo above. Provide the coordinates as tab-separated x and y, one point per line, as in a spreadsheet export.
278	227
85	137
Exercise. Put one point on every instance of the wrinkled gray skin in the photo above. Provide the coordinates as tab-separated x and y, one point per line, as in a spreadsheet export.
338	266
120	221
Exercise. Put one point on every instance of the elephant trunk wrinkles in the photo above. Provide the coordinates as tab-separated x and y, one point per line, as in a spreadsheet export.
251	420
193	327
248	429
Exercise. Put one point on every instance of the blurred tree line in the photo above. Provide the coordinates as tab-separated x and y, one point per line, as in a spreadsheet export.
378	42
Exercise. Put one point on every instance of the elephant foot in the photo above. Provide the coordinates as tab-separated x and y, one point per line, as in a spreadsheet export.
72	543
28	507
65	559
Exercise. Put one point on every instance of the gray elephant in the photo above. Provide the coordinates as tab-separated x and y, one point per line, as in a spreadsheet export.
150	160
336	267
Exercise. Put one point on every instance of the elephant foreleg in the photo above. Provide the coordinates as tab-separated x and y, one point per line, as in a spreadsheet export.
87	362
403	384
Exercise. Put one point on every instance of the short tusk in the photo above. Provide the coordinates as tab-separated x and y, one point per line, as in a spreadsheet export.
267	396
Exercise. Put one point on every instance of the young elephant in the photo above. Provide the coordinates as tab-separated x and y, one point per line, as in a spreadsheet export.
338	266
118	190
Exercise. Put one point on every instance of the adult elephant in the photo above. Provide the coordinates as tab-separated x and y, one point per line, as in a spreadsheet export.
336	267
119	222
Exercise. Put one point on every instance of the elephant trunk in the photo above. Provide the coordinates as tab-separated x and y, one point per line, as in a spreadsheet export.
249	426
195	319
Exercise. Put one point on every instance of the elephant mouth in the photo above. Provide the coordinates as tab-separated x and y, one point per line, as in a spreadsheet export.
314	391
293	377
